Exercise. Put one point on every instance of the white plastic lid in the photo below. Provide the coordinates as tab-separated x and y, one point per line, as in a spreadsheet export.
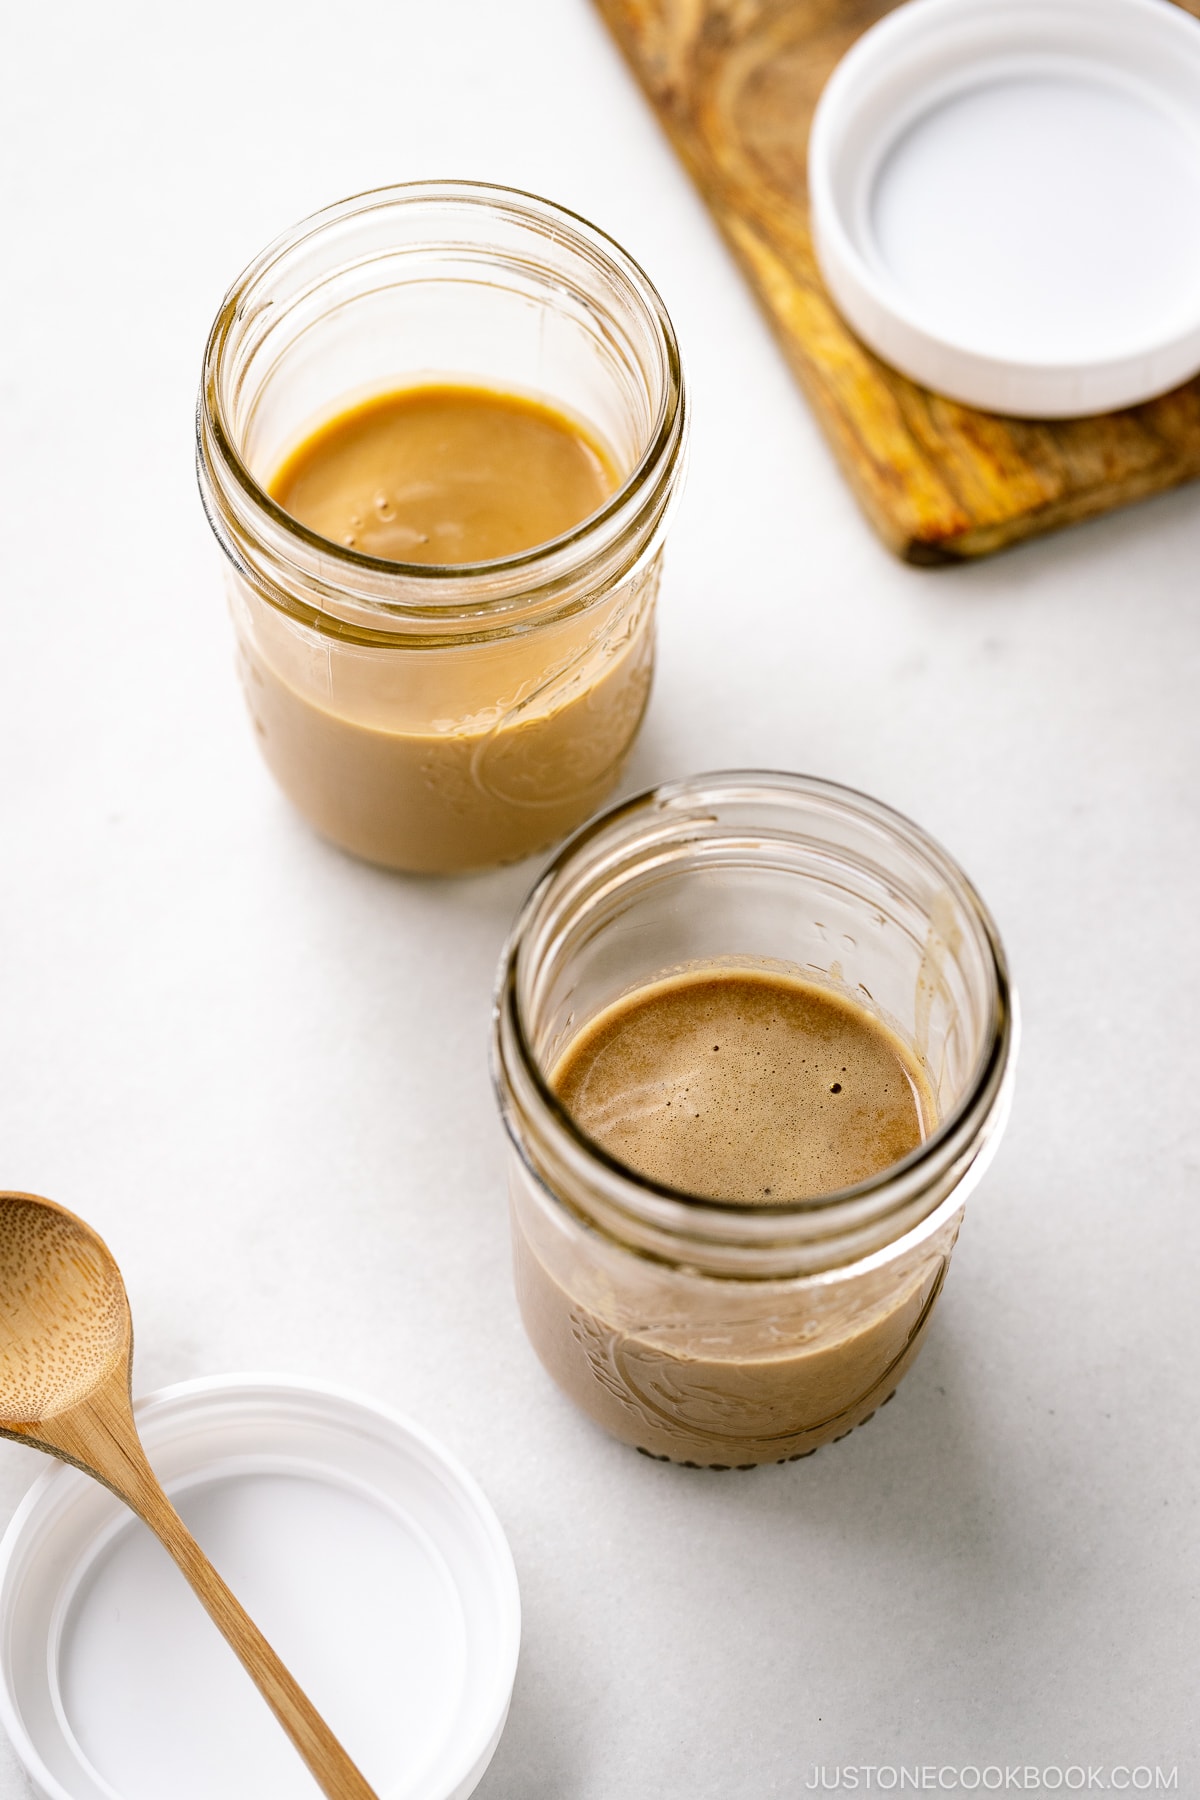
368	1556
1005	197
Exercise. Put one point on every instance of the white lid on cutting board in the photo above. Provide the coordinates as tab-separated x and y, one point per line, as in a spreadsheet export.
365	1552
1005	199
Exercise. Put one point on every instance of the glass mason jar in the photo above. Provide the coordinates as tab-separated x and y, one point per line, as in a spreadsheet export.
726	1334
442	717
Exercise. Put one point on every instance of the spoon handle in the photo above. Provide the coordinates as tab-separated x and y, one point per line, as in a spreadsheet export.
335	1773
100	1436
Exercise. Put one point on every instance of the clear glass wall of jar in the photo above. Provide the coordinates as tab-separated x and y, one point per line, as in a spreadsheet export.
728	1335
442	717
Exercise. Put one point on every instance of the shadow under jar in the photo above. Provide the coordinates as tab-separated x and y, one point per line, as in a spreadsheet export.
442	717
729	1334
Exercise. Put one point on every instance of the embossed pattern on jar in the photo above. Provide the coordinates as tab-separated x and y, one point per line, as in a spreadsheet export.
678	1369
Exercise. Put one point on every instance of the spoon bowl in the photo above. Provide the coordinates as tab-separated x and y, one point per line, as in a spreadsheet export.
64	1317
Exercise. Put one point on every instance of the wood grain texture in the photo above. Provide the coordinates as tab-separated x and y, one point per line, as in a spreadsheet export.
66	1356
735	83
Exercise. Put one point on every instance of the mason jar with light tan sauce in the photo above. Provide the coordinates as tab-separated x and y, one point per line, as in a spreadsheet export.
694	1328
443	717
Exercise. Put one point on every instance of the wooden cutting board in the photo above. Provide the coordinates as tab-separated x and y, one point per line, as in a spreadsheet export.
735	83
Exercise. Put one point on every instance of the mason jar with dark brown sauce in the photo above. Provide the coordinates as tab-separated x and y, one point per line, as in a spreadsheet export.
700	1324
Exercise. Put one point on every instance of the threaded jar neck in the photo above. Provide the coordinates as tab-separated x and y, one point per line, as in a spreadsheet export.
767	869
436	281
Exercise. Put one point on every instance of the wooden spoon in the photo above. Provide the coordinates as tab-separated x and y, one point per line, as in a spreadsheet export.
66	1362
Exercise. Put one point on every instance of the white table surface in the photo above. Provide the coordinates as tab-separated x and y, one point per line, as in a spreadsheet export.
261	1069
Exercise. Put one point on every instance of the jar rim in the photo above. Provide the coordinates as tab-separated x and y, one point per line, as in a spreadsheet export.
892	1189
458	582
